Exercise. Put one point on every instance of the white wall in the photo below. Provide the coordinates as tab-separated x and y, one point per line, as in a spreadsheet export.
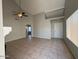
18	26
72	28
2	54
42	27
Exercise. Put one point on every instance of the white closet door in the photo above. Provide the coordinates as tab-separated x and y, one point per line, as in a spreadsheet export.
58	30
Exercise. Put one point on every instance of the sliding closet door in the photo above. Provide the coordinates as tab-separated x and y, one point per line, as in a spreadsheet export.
58	30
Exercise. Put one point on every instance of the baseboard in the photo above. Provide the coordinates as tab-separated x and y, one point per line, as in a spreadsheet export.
72	48
42	38
14	40
57	38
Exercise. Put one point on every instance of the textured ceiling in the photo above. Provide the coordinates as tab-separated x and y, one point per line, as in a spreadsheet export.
38	6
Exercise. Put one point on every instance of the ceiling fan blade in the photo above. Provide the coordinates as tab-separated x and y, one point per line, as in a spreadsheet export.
25	15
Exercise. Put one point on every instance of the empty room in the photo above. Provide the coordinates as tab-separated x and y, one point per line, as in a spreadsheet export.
38	29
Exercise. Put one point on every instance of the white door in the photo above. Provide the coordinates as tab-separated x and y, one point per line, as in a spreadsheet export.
58	30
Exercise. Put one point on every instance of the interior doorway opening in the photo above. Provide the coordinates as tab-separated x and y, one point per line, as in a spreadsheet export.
28	31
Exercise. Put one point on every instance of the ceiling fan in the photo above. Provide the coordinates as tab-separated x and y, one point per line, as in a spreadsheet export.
20	13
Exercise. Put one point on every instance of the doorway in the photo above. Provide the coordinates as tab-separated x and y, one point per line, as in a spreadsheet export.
28	31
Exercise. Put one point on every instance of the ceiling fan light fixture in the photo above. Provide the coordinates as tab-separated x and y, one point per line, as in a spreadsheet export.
19	15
